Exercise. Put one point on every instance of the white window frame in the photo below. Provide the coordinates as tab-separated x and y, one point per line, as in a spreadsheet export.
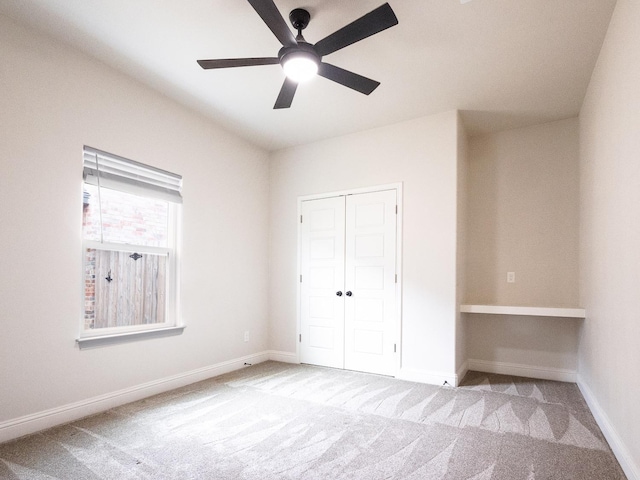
172	324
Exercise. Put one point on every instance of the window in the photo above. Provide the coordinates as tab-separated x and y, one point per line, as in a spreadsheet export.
130	236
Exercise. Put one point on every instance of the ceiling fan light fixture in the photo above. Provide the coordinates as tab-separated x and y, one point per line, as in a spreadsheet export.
300	66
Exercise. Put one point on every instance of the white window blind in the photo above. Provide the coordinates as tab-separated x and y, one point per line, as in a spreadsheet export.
111	171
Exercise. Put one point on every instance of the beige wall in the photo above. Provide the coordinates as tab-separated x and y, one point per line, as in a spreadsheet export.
610	236
52	102
420	153
523	217
539	347
461	248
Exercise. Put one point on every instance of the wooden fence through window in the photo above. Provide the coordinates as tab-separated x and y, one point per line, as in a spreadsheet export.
136	294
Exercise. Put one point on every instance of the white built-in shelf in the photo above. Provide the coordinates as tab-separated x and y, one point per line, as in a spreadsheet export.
530	311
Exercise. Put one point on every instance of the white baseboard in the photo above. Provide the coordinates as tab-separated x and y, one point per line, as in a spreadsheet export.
35	422
631	469
285	357
462	371
545	373
424	376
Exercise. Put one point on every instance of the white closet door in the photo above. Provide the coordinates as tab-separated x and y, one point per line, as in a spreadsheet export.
322	267
370	310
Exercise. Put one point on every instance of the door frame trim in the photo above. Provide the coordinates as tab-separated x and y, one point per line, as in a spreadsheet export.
399	201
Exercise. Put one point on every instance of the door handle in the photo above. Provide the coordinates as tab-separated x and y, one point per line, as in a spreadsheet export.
339	293
348	294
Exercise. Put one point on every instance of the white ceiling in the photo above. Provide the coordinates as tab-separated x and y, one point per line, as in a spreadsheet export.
503	63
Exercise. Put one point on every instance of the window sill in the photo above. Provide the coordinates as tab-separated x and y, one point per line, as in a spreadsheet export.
102	341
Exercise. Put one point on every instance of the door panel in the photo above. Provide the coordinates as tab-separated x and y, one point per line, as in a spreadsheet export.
322	268
348	245
370	267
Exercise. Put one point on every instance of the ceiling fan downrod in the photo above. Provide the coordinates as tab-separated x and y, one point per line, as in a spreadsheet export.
299	18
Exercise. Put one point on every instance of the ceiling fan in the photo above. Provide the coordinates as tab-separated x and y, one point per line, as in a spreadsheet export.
301	60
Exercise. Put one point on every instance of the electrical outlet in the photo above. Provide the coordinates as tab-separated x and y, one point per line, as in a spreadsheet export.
246	335
511	277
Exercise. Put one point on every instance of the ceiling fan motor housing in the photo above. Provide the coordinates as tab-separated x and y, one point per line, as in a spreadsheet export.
299	18
303	49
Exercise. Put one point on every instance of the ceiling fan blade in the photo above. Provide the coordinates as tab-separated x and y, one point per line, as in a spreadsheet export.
373	22
271	16
285	97
238	62
348	79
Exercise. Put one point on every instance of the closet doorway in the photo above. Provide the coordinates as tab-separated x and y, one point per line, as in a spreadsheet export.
349	291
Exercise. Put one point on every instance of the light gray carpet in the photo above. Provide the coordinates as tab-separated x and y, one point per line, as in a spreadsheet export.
300	422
